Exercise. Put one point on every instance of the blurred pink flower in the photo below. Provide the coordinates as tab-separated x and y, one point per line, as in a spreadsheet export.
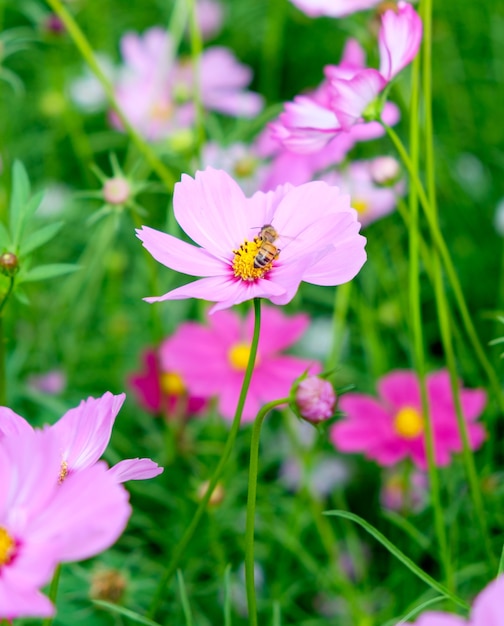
210	15
349	96
162	392
371	201
212	358
320	246
52	382
333	8
83	434
391	428
156	91
239	160
404	491
315	399
310	122
487	610
43	523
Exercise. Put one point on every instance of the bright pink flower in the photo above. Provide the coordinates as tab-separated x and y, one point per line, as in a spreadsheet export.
391	428
212	358
315	399
43	523
163	392
320	246
333	8
371	201
156	91
487	610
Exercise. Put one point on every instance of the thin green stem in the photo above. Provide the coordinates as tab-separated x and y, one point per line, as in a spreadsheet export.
7	293
251	502
86	51
235	426
340	312
417	331
450	269
53	592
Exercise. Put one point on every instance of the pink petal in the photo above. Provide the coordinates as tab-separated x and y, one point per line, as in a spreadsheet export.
434	618
278	331
179	255
487	608
351	97
146	384
400	389
333	8
399	39
23	602
12	424
135	469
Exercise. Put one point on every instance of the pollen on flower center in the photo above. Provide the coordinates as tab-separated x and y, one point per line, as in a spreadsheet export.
172	384
239	356
408	423
361	206
243	262
7	547
63	472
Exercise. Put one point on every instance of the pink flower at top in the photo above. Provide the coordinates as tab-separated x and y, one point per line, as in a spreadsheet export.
83	434
391	428
210	15
487	610
43	523
333	8
310	122
156	91
371	201
350	94
212	358
320	245
163	392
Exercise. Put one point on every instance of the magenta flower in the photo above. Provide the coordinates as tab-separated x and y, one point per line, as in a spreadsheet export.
163	392
487	610
43	523
320	246
156	91
315	399
371	201
391	428
333	8
83	434
212	358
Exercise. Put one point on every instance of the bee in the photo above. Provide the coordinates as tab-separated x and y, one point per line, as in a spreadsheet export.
268	251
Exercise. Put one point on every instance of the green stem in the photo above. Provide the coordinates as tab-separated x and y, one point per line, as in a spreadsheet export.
186	538
417	330
53	591
340	312
7	293
450	269
251	502
86	51
196	52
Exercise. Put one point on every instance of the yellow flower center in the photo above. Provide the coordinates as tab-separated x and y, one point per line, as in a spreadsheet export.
63	472
172	384
361	206
247	253
245	166
408	423
239	356
7	547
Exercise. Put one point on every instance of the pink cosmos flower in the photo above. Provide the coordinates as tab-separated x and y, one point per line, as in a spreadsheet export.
163	392
212	358
83	434
156	90
487	610
371	201
350	93
391	428
310	122
43	523
320	245
210	15
333	8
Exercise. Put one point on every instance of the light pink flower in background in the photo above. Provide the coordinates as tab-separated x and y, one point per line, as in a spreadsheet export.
43	523
371	201
212	358
309	122
350	88
320	245
391	428
156	90
83	434
404	491
315	399
52	382
210	16
487	610
333	8
162	392
239	160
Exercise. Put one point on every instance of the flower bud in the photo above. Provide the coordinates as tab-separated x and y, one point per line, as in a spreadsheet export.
116	190
315	399
217	494
9	263
54	25
385	170
108	585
